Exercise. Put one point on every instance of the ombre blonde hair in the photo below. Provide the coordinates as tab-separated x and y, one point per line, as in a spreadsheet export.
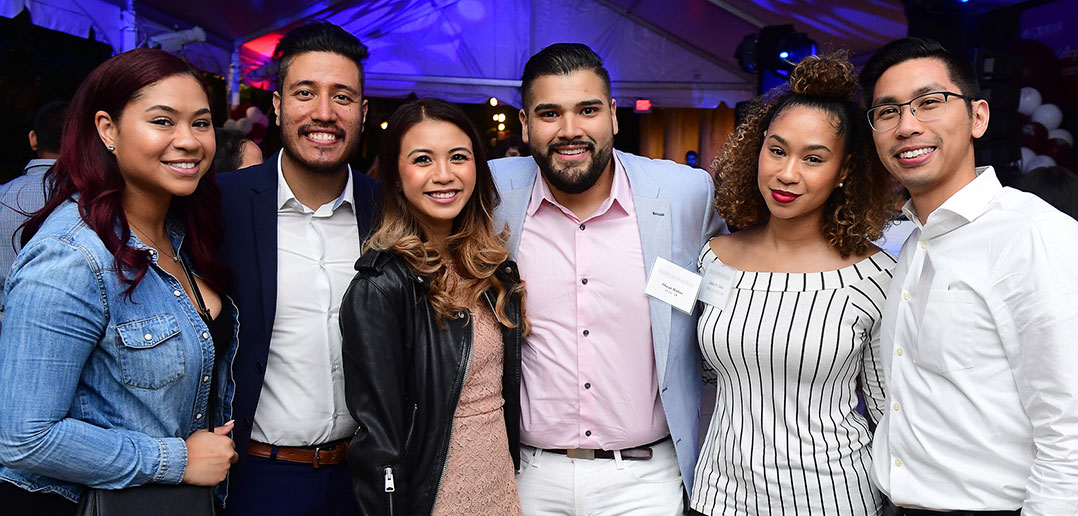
473	246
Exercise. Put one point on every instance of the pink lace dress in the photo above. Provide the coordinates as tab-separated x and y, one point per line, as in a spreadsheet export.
479	476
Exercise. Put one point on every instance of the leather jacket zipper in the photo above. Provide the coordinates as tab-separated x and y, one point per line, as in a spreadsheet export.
390	488
411	426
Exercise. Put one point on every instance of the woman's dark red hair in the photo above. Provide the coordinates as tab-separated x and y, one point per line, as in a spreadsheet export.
87	170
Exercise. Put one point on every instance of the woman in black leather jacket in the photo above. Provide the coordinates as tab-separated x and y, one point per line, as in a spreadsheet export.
432	326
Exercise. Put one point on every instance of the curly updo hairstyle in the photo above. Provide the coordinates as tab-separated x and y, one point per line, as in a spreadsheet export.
856	213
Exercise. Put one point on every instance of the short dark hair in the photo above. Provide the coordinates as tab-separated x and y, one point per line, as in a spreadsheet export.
1058	186
562	59
318	37
229	149
49	125
901	50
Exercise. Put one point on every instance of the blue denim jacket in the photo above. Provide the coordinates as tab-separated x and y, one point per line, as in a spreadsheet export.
98	389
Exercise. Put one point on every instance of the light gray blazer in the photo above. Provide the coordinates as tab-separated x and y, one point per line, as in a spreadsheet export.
674	209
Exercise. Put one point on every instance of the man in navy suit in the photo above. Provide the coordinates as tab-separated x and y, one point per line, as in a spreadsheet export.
293	228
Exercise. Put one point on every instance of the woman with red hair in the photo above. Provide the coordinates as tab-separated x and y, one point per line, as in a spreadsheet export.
116	343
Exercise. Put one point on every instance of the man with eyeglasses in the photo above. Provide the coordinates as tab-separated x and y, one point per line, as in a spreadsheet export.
980	330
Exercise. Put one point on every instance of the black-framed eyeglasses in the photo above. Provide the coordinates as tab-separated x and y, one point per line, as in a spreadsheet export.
926	108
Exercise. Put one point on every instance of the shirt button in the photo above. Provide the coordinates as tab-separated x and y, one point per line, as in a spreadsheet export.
176	293
198	416
587	433
206	378
899	352
898	462
906	295
584	281
508	270
582	227
586	332
205	334
148	336
460	315
897	406
587	385
924	244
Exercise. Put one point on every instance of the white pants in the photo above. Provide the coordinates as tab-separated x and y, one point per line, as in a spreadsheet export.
552	484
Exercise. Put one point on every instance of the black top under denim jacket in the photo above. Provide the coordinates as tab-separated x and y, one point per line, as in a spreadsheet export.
403	378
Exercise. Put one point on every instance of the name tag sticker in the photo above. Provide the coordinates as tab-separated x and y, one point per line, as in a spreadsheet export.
673	285
718	282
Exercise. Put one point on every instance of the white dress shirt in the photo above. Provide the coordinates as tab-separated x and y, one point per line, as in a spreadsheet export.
302	401
980	351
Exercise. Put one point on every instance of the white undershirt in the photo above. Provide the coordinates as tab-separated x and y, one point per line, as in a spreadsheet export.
302	401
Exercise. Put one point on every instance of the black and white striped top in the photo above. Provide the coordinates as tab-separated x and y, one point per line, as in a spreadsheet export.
787	350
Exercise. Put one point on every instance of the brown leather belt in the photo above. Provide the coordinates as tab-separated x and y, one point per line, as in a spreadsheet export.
638	453
335	452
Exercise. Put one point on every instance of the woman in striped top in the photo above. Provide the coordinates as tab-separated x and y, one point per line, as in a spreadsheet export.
797	325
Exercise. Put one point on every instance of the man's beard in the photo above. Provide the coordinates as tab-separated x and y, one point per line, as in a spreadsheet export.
563	179
318	166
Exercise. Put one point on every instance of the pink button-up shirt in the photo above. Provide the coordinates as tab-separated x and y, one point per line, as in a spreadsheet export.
588	377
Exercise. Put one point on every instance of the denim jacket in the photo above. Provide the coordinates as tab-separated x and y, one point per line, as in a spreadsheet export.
98	389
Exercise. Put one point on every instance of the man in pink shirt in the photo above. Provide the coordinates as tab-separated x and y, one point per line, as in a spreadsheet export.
610	387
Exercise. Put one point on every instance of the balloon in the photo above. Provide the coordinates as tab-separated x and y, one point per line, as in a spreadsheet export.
1061	134
258	132
1027	159
1048	115
1033	136
1042	161
231	124
253	112
1057	149
240	111
1028	100
245	125
264	120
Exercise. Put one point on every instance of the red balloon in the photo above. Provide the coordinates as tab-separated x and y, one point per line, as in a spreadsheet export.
258	131
1057	149
1033	136
239	112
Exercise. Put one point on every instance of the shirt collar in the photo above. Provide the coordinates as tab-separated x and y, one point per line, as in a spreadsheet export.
286	197
38	166
963	207
620	193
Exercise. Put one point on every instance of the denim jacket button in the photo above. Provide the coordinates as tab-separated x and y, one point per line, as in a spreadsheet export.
176	293
198	416
205	379
205	335
148	336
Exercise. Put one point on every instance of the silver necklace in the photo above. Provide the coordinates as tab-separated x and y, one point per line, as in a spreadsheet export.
175	257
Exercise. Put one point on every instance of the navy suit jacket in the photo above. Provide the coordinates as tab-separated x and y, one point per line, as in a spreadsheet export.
249	213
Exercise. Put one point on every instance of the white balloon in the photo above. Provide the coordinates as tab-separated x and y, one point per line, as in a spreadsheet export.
246	124
1048	115
1061	134
1028	101
1027	159
231	124
264	120
1042	161
253	112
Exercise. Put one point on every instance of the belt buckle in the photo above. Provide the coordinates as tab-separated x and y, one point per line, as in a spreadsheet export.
580	453
317	459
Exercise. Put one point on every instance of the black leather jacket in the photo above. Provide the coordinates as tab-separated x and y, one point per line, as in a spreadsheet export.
403	377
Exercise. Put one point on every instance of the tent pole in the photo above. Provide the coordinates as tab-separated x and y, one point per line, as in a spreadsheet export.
129	27
234	78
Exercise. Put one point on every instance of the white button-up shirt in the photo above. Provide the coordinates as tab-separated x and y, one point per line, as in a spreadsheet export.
980	341
302	401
